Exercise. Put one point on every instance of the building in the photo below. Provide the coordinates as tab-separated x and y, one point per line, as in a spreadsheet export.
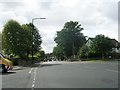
116	44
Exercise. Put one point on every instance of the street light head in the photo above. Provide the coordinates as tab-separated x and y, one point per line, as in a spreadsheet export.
37	18
42	18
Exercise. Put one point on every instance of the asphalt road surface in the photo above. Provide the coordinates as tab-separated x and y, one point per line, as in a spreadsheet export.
64	75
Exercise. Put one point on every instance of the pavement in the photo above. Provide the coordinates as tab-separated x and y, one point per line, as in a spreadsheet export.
17	67
63	75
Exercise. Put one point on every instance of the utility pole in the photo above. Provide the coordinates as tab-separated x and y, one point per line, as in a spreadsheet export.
32	34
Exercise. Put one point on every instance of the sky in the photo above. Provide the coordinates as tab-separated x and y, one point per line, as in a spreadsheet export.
95	16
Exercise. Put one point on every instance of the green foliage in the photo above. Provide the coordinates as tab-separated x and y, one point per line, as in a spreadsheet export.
36	38
102	45
0	41
58	52
42	55
70	38
17	39
84	51
11	37
26	43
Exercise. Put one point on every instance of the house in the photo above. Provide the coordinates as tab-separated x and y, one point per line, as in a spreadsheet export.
89	41
115	43
116	46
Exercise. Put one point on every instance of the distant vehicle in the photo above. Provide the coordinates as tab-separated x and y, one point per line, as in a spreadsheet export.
5	64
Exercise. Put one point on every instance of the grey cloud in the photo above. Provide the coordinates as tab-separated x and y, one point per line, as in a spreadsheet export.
95	17
48	44
46	5
11	5
111	10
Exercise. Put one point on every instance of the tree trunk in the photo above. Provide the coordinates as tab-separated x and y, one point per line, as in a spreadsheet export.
103	56
73	51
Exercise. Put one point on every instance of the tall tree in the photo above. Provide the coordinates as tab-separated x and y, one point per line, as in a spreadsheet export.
27	42
0	41
20	39
42	55
102	45
12	37
58	52
84	51
36	39
70	38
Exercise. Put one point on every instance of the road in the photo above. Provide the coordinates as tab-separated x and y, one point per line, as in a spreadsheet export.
64	75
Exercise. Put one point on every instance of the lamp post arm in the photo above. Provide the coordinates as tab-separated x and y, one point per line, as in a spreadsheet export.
32	34
36	18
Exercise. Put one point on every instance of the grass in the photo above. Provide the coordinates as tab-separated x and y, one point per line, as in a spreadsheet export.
103	60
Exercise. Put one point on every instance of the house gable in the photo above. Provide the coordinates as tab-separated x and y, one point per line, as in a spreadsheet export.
116	44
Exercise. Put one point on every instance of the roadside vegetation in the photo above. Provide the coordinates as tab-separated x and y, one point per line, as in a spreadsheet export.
22	44
19	42
69	40
73	45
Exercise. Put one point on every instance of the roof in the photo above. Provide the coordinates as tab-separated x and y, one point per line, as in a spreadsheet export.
89	39
114	41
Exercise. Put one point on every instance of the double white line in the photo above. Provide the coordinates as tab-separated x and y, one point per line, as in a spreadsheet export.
35	71
111	70
34	76
30	71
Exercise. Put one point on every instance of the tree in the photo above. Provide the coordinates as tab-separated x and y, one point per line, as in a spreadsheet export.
70	38
20	40
36	39
42	55
0	41
84	51
58	52
102	45
12	37
26	44
17	39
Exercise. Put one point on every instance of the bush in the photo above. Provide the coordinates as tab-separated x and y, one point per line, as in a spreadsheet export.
15	61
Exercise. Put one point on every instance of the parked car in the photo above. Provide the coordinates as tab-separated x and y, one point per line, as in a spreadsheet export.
5	63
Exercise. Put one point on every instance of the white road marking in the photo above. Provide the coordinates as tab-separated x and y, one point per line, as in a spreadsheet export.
33	85
30	70
35	73
111	70
34	82
34	77
113	63
90	67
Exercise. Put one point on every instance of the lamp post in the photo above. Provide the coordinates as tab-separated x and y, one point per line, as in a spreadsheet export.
36	18
32	34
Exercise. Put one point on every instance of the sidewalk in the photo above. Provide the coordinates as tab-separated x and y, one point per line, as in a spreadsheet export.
18	68
60	62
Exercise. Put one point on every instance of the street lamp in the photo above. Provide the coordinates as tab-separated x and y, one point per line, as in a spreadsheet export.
32	34
36	18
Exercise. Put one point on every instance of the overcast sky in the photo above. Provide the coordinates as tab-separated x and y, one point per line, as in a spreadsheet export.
95	16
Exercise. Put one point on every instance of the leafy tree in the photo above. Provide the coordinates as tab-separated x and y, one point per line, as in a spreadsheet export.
17	39
12	36
58	52
0	40
84	51
36	39
20	40
70	38
27	43
102	45
42	55
49	56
